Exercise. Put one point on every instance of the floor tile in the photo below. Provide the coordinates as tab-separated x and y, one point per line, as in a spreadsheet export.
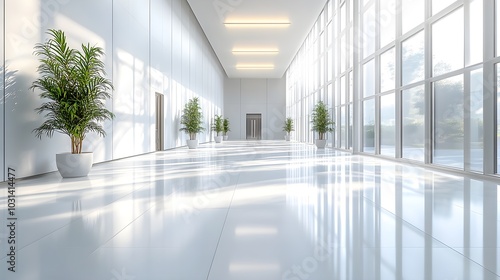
255	210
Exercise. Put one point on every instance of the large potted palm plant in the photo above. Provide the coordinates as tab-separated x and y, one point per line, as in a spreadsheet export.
321	123
192	120
226	129
74	87
218	127
288	128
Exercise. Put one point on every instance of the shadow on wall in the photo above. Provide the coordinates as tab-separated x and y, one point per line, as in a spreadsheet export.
131	99
9	83
20	120
8	96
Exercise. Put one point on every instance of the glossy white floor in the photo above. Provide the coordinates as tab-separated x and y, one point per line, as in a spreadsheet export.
254	210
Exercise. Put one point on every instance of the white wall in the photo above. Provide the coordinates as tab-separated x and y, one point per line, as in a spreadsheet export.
151	46
131	76
264	96
2	97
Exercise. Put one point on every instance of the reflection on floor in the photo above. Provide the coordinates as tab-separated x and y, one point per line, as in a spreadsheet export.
254	210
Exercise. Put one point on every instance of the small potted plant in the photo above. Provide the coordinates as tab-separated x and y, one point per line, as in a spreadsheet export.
74	87
288	128
226	129
218	127
321	123
192	120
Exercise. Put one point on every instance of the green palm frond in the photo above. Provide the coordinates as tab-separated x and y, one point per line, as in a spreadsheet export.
321	121
74	82
192	118
288	126
218	124
225	125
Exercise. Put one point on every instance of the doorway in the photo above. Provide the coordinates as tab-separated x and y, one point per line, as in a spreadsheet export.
254	126
159	127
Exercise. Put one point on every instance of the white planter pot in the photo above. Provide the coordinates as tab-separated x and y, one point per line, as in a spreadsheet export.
225	138
321	144
218	139
74	165
192	144
287	137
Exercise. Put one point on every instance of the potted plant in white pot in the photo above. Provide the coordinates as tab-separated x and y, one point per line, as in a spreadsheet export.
192	120
74	85
288	128
321	123
226	129
218	127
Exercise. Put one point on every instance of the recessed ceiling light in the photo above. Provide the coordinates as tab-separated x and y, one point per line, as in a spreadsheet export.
255	66
257	23
255	51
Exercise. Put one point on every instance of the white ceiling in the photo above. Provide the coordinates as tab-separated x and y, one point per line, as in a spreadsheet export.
212	14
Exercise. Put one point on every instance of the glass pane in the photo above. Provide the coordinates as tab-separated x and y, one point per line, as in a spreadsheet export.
322	21
387	21
369	78
498	117
342	91
329	64
476	120
351	48
413	59
337	127
342	127
351	88
413	13
331	94
330	9
335	58
447	46
315	31
343	16
343	48
476	34
322	71
310	136
369	24
369	126
329	34
387	70
438	5
315	53
322	43
351	11
349	133
388	125
449	122
413	123
314	75
497	16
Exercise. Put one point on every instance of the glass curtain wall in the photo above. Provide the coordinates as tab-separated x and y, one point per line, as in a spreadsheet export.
415	80
309	78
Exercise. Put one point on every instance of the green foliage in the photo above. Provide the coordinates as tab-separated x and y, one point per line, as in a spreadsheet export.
74	83
288	127
192	118
225	128
321	121
218	124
